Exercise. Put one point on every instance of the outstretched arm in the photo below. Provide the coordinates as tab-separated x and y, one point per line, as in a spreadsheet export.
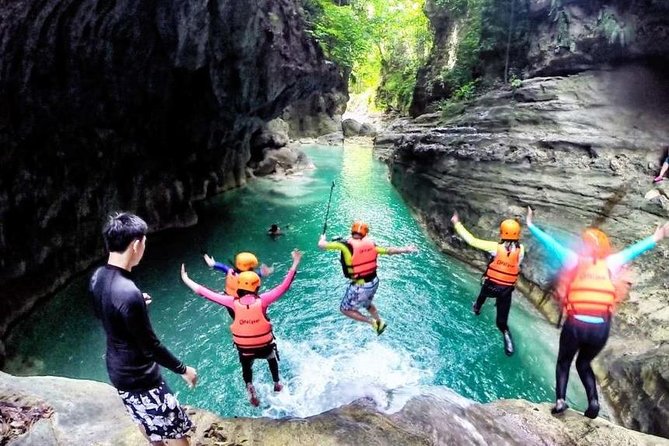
484	245
221	299
565	256
619	259
338	246
394	250
212	263
271	296
264	271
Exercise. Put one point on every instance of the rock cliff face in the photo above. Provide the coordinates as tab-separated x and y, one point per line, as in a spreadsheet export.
429	85
144	106
87	412
568	36
550	37
581	150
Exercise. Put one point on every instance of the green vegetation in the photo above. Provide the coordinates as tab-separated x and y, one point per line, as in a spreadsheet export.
380	43
465	92
463	71
450	109
613	29
491	44
383	43
340	32
457	8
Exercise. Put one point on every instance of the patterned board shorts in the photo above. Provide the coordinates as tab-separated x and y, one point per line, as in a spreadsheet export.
158	411
359	295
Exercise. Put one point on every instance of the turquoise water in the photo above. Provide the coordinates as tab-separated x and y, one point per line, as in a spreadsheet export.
326	359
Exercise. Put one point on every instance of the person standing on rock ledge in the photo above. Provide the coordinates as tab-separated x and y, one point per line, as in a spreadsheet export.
134	353
502	272
665	166
592	283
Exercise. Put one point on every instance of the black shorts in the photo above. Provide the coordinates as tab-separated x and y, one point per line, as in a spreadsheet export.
158	411
260	353
495	290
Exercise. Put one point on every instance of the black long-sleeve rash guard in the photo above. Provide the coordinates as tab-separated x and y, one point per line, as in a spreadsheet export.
133	350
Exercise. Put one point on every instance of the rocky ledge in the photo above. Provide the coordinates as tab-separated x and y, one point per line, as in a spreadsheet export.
581	150
87	412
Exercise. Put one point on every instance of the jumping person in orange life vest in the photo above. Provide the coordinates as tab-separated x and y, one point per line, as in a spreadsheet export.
251	329
502	272
244	261
592	283
358	260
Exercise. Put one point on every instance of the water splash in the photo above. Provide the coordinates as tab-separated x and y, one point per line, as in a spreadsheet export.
321	379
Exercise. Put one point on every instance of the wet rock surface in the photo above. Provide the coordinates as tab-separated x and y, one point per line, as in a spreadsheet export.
87	412
351	127
580	150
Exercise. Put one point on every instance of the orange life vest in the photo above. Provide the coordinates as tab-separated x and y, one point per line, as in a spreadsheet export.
592	291
231	281
363	259
250	329
504	268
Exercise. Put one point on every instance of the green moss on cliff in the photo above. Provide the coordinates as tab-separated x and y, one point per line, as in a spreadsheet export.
487	41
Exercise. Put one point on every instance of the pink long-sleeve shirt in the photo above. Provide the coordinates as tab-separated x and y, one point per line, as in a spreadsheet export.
267	298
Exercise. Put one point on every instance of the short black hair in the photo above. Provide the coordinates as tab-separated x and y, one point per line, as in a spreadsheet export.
121	229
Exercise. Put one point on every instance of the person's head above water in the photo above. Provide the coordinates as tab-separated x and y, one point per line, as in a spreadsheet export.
359	229
248	282
274	228
594	243
245	261
509	229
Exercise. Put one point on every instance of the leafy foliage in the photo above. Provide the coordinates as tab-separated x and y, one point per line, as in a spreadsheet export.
381	43
465	92
450	108
344	37
467	52
613	29
492	44
457	8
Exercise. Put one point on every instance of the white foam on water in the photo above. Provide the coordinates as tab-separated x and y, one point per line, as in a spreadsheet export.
323	380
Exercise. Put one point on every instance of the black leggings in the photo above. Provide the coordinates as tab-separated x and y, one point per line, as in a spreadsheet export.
503	295
587	340
269	353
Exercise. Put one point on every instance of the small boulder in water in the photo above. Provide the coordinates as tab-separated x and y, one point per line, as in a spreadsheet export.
331	139
351	127
283	161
